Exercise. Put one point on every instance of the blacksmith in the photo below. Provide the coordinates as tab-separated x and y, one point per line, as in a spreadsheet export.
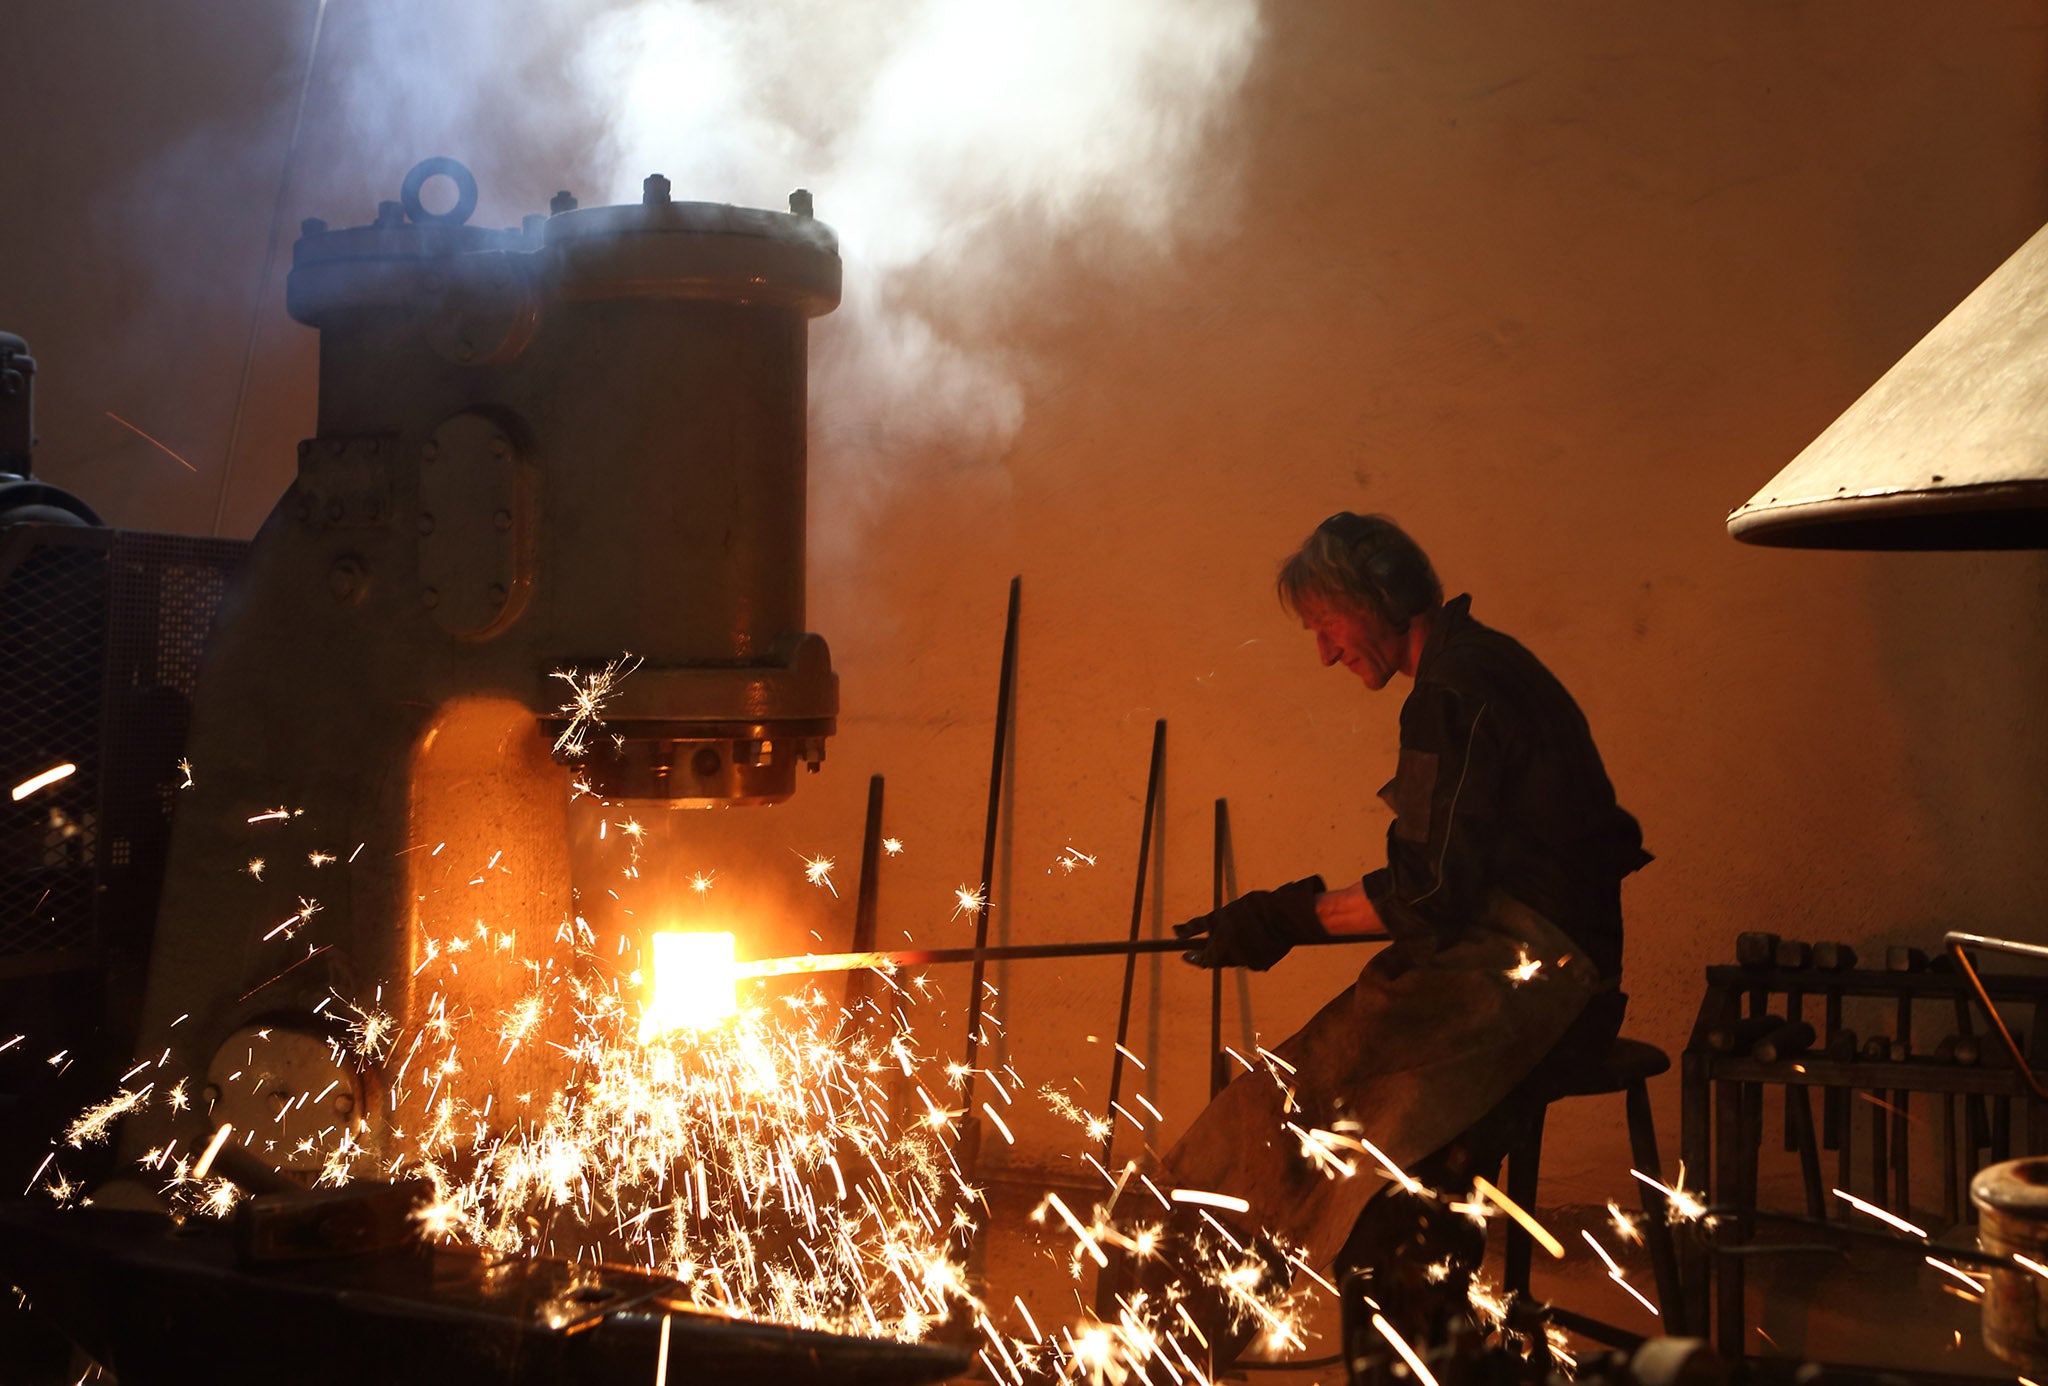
1502	892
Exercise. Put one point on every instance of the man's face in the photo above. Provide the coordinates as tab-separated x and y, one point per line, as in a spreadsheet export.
1355	638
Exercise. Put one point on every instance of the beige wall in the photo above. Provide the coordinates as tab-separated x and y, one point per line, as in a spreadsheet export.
1556	285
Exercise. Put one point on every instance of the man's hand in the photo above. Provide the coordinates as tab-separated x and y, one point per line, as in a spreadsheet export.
1256	929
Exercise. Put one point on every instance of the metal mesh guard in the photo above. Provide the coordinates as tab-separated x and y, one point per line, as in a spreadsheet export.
101	634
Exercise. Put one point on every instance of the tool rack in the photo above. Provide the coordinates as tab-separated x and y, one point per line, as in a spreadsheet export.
1756	1030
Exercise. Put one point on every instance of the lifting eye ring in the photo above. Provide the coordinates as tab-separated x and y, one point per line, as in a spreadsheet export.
455	172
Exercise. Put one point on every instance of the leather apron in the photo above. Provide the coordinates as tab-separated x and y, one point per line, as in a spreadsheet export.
1413	1053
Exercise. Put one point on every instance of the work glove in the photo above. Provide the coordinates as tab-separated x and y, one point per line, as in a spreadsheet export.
1256	929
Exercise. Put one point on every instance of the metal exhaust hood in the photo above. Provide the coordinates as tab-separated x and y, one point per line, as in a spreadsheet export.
1948	450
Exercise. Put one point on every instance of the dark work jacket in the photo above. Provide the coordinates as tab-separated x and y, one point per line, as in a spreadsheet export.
1499	788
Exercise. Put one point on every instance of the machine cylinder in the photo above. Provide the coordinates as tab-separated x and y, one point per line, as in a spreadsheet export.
599	444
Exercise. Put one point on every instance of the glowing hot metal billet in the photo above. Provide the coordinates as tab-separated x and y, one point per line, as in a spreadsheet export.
694	983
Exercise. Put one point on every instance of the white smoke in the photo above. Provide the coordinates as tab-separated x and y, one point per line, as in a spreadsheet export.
958	147
974	157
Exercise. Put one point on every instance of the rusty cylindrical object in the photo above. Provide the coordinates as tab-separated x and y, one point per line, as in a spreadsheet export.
2012	1212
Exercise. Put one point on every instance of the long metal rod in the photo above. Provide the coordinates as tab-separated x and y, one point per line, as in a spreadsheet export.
860	985
1217	1073
988	844
1008	952
284	183
1123	1016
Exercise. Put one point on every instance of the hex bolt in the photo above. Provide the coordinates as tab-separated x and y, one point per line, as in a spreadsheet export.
707	762
312	226
302	511
279	1100
502	520
800	203
210	1094
305	447
430	597
498	594
344	1103
563	201
465	351
390	215
654	191
500	449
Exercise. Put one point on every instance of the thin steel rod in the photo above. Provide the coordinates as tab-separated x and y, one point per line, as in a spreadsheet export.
1123	1015
860	985
988	844
1222	836
1007	952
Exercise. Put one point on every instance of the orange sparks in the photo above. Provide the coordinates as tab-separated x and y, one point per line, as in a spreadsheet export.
971	900
220	1138
1880	1214
1680	1205
1087	1240
818	871
1400	1344
43	780
1069	860
158	443
1520	1214
1978	1286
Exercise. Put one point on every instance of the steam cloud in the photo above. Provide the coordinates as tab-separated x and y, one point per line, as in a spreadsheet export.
974	156
951	143
956	146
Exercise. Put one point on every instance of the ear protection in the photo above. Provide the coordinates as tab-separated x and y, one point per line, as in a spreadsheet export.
1388	562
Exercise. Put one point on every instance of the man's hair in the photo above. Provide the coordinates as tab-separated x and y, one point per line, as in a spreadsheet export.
1362	560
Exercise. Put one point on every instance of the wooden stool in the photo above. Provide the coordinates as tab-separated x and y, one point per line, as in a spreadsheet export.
1628	1067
